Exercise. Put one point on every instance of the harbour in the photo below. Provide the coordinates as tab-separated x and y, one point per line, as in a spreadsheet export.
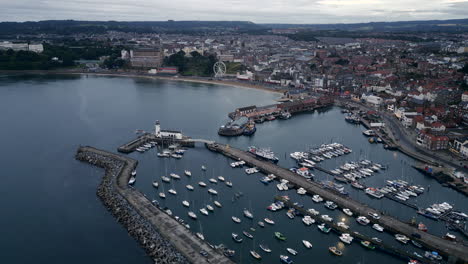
294	134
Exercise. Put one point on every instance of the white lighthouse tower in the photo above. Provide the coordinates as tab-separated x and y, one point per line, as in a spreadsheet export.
157	129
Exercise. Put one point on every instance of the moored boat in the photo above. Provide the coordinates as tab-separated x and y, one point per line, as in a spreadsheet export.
280	236
335	251
236	237
367	244
265	248
255	254
292	251
286	259
307	244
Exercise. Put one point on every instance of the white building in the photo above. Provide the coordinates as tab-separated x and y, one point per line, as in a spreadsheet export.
166	133
407	121
372	99
38	48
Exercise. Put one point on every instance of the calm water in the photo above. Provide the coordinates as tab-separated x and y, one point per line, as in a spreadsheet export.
50	210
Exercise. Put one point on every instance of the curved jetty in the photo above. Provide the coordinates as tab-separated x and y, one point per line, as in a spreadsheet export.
164	239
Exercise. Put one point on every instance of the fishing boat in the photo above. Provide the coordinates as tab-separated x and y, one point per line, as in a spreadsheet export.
286	259
188	173
212	191
172	191
229	184
269	221
324	228
189	187
204	211
248	214
367	244
155	184
280	236
200	236
402	238
218	204
307	244
247	234
192	215
165	179
255	254
335	251
261	224
236	219
347	212
236	237
185	203
209	207
213	180
221	178
202	184
292	251
265	248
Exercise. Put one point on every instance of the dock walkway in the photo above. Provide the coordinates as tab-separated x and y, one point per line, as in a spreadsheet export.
455	252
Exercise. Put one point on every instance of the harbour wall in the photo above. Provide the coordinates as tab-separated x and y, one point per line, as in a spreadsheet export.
163	238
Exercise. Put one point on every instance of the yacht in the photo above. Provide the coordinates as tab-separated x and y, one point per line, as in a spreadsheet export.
236	219
185	203
229	184
330	205
307	244
247	234
218	204
292	251
346	238
301	191
192	215
221	178
286	259
200	236
236	237
165	179
209	207
313	211
213	180
189	187
265	248
172	191
347	212
255	254
269	221
202	184
248	214
327	218
175	176
212	191
188	173
155	184
363	220
204	211
378	227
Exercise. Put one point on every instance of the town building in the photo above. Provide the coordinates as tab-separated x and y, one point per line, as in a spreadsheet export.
431	141
146	57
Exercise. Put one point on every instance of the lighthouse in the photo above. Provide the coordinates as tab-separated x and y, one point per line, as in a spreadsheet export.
157	129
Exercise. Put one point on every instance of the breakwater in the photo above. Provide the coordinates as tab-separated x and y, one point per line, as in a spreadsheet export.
164	239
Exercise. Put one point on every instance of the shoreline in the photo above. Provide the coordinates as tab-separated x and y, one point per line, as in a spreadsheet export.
157	77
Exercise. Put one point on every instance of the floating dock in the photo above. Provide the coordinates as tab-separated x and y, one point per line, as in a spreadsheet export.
163	237
456	253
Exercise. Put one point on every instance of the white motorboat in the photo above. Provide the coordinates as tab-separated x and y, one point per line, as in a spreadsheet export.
218	204
236	219
132	180
188	173
175	176
189	187
212	191
166	179
402	238
316	198
292	251
221	178
313	211
202	184
213	180
307	220
162	195
363	220
209	207
346	238
186	203
347	212
343	225
203	167
192	215
269	221
301	191
248	214
172	191
327	218
200	236
229	184
378	227
307	244
155	184
134	173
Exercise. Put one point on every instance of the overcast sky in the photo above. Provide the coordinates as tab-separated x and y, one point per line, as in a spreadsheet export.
259	11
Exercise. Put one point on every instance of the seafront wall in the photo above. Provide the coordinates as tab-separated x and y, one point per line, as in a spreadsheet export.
156	247
164	239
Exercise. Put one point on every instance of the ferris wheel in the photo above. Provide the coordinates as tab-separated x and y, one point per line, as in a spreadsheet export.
219	69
